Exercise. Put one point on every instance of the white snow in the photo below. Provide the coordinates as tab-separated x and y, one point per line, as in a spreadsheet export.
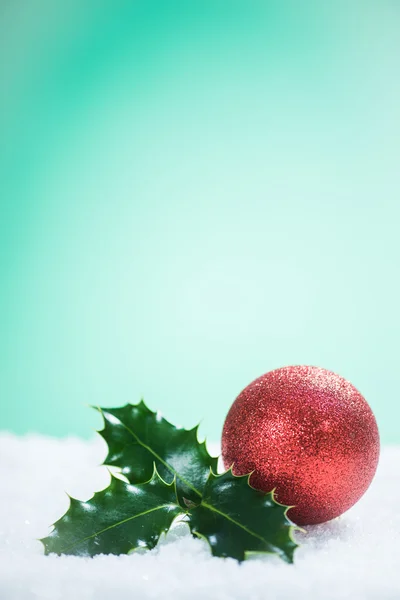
356	556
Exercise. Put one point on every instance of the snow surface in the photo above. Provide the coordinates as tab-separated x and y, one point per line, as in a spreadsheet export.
355	556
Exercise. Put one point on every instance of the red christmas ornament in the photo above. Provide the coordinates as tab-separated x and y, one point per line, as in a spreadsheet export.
308	433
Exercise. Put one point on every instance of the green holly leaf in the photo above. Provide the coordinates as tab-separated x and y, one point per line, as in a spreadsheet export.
237	520
116	520
137	438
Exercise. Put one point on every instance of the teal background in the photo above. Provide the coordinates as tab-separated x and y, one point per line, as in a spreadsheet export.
194	193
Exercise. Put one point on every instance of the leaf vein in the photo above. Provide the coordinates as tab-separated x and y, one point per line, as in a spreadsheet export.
168	466
213	509
142	514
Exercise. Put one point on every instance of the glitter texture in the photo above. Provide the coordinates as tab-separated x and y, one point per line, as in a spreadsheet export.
308	433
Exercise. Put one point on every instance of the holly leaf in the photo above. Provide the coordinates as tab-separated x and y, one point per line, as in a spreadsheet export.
116	520
237	520
137	438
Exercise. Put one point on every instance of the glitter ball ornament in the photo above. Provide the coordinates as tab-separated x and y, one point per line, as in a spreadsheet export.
309	434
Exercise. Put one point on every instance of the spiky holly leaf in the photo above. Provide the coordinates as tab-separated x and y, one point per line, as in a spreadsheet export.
116	520
137	438
238	520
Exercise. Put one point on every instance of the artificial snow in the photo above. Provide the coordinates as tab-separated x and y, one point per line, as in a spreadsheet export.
355	556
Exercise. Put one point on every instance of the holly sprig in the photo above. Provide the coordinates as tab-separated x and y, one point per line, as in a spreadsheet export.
169	474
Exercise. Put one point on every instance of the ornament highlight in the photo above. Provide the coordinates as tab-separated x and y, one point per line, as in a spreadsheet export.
308	433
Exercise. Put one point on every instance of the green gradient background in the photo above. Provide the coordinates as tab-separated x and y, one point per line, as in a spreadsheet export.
194	193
